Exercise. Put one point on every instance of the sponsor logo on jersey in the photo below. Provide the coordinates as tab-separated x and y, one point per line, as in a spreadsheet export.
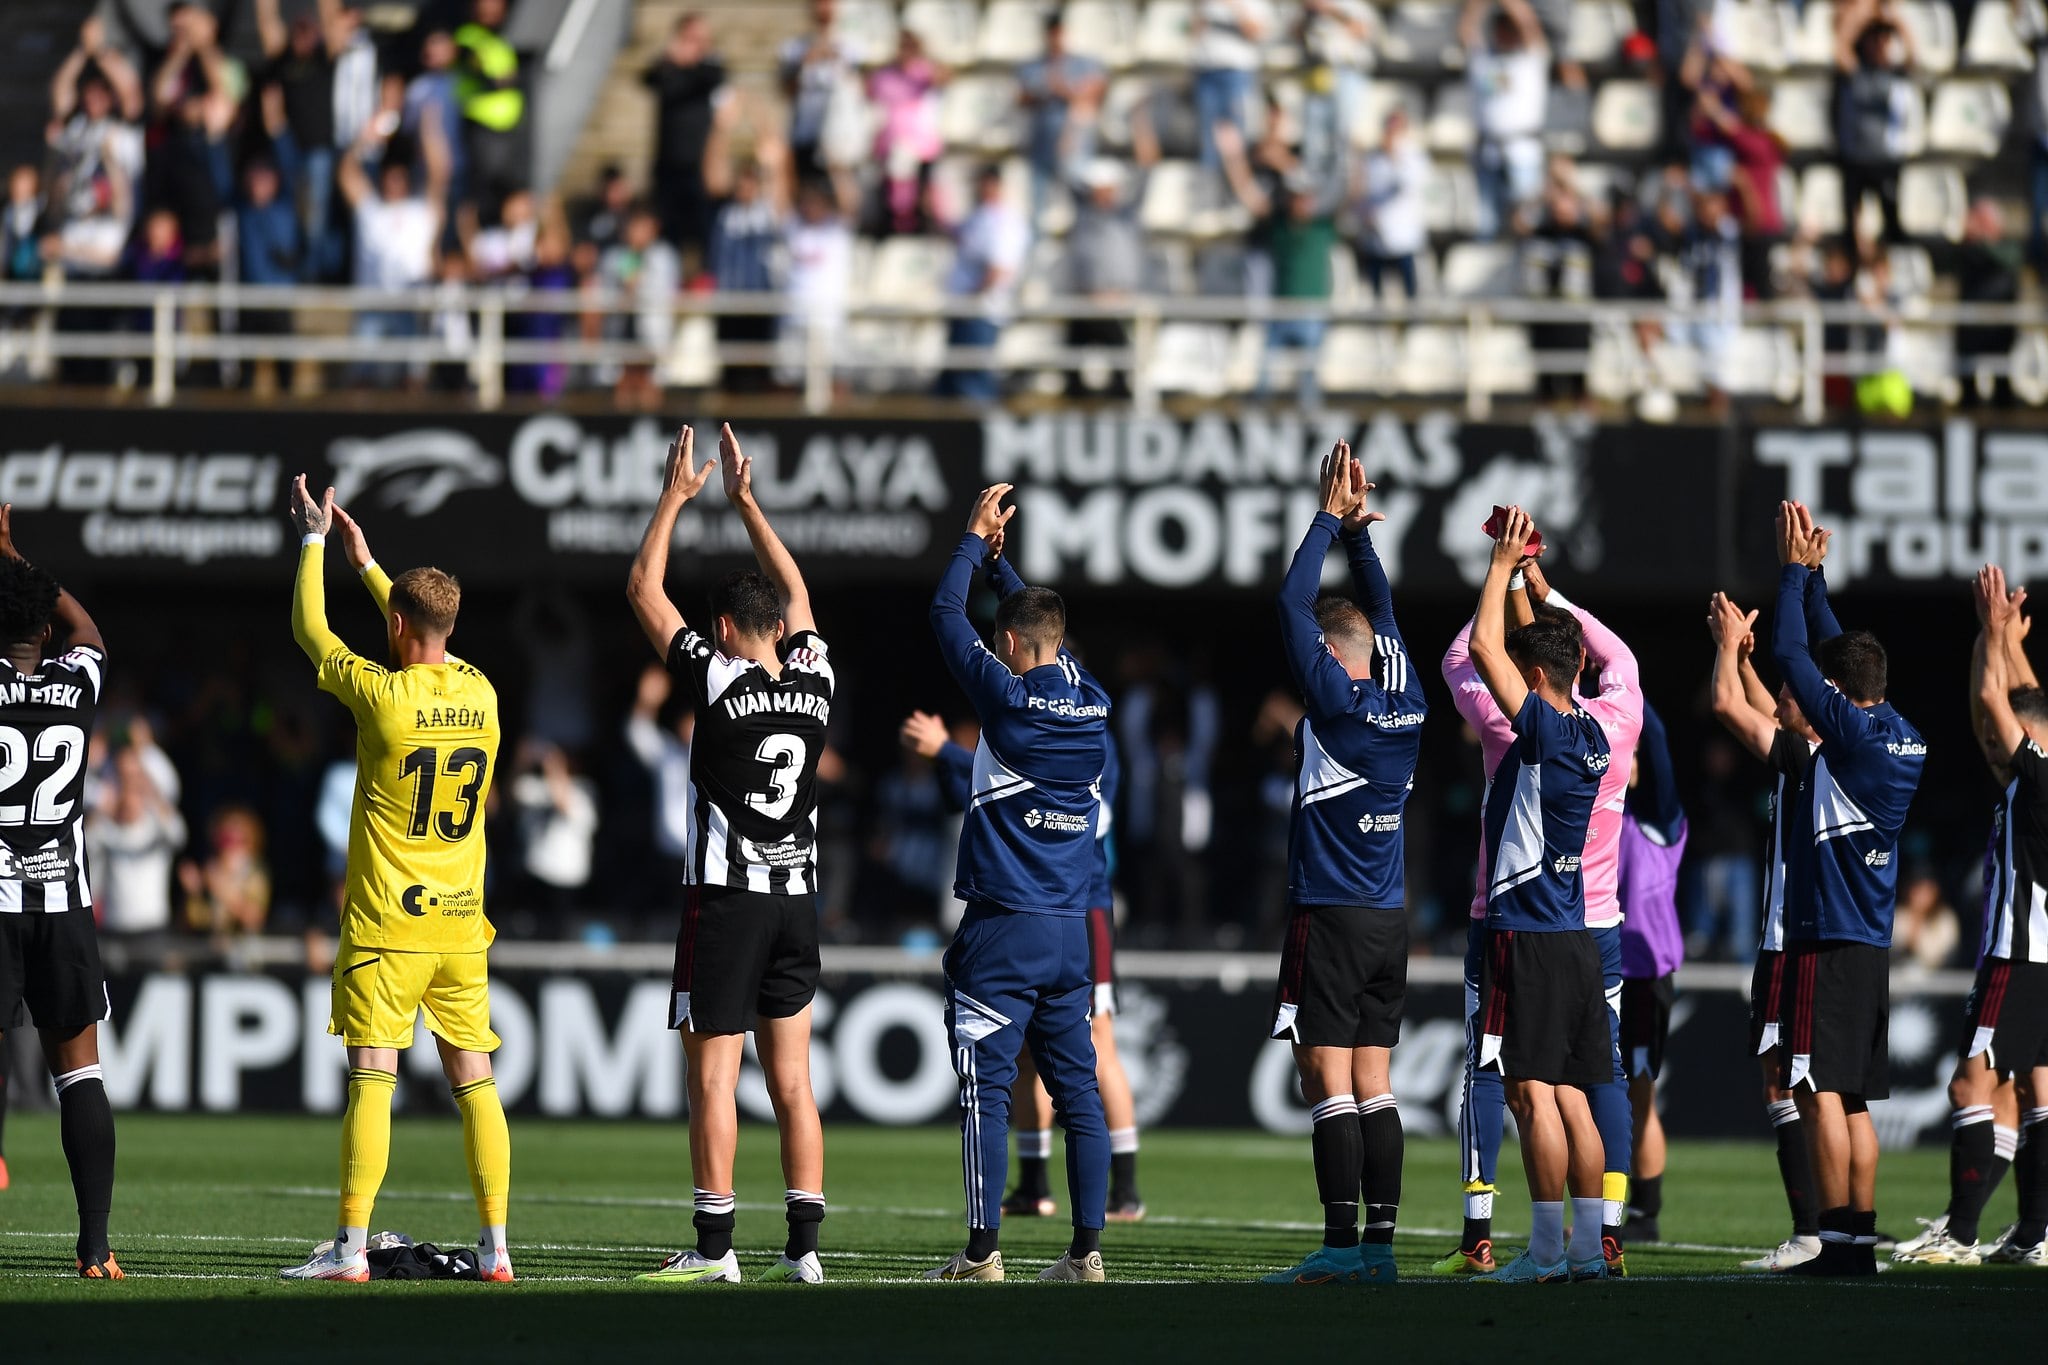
1057	821
1066	706
1567	866
792	852
1598	763
1878	857
1399	720
416	901
1379	824
1910	750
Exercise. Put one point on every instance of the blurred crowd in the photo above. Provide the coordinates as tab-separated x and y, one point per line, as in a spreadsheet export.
398	165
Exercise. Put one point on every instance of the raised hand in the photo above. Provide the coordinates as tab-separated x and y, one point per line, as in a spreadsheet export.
1727	623
1533	577
7	549
995	545
1508	545
1338	498
1795	535
310	516
990	516
1361	516
923	734
737	469
1987	590
354	543
683	480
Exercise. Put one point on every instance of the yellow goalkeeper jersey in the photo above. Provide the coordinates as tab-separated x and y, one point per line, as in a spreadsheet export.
426	749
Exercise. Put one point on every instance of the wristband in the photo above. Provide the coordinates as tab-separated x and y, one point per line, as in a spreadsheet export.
364	572
314	538
1518	581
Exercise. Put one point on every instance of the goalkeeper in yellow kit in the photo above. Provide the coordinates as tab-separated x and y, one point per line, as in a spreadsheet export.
413	931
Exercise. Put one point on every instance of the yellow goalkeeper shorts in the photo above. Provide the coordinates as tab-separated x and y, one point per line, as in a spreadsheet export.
377	993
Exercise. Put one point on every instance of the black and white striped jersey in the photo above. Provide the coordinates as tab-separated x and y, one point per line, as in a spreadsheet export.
46	720
754	763
1792	761
2016	898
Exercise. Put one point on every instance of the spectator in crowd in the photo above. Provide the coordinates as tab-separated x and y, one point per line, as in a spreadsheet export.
1392	228
550	273
989	250
1105	256
302	58
664	750
907	846
133	834
1555	261
1720	869
493	105
1714	78
602	222
268	247
504	250
1061	92
1300	228
1708	287
688	82
817	246
2030	25
1227	39
1339	38
1874	108
227	895
644	271
1927	929
433	111
95	110
905	97
395	231
1267	167
814	68
745	237
557	816
1507	64
1758	155
1987	271
21	223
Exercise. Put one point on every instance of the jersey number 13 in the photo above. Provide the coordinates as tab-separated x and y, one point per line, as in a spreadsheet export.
468	766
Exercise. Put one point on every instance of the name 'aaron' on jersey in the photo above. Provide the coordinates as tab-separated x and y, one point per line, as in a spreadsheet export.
754	763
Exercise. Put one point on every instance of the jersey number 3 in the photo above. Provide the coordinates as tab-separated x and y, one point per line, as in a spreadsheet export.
784	754
423	766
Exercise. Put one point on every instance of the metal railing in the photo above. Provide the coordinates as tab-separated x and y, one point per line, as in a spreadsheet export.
1780	350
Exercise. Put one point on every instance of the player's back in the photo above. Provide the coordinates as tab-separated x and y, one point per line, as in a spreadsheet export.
1355	770
1863	782
46	719
426	753
1029	839
1538	808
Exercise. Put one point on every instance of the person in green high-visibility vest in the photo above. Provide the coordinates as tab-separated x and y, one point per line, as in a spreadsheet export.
493	105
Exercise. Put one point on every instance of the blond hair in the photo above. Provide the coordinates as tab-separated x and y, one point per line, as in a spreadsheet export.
428	598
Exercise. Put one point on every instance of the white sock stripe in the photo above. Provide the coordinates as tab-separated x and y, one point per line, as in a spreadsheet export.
1332	1107
1123	1141
710	1201
2032	1117
1376	1103
1782	1112
803	1196
1970	1115
2004	1141
83	1073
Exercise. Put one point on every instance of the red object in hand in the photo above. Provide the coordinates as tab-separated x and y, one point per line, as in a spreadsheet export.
1499	518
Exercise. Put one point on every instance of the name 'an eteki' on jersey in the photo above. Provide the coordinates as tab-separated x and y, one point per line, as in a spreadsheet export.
46	720
754	763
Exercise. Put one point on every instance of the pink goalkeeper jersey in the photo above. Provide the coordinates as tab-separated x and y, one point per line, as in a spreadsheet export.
1618	708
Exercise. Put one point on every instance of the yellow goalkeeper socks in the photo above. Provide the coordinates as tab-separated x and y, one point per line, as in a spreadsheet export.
488	1146
365	1143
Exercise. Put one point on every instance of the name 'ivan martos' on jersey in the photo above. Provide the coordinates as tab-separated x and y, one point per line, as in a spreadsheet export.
45	720
754	763
1358	739
426	751
1028	841
1842	885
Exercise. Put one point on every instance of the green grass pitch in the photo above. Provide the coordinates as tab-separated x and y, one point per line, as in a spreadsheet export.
207	1209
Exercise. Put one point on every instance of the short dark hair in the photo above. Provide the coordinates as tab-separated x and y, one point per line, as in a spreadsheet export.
1036	615
1339	618
1549	646
1557	618
750	600
2029	703
28	599
1855	662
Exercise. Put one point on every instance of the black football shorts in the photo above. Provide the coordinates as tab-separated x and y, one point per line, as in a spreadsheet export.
1343	977
50	974
742	955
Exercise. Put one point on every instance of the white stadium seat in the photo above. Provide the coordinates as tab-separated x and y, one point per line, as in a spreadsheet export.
869	28
1163	38
1912	271
692	358
1993	43
1802	113
1933	27
1169	204
980	113
1281	48
1933	201
1192	357
1627	116
1754	33
1820	200
1106	30
911	270
1381	99
1432	359
1927	357
1593	34
1480	270
1761	362
1505	361
949	28
1813	41
1358	359
1452	130
1012	32
1614	362
1450	202
1969	118
1424	33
